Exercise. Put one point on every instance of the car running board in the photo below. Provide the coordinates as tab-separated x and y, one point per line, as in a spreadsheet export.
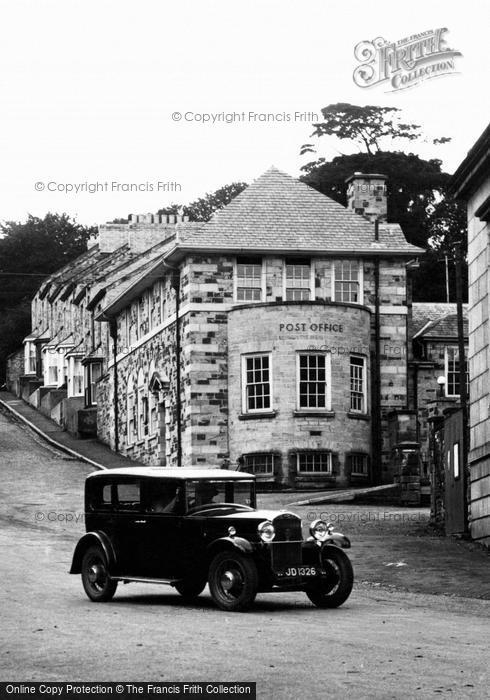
141	579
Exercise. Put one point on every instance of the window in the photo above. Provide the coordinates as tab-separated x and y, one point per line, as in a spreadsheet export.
249	282
452	372
142	407
346	281
30	358
456	460
53	374
298	280
52	367
314	462
155	301
313	381
166	497
130	413
152	402
358	464
131	327
128	495
75	377
260	464
93	372
256	372
357	384
143	308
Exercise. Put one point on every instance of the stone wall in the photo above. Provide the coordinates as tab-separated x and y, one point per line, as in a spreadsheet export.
479	364
283	330
14	371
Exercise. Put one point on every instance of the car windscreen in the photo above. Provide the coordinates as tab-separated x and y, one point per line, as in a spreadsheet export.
215	491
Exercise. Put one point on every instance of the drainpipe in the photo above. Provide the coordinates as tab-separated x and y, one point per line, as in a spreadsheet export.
463	394
376	438
113	332
176	286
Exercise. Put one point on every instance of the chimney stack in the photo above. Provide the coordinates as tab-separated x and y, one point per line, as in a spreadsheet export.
366	195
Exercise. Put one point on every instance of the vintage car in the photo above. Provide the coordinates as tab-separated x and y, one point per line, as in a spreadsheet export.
189	527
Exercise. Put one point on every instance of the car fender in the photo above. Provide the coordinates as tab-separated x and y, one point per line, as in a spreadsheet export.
89	539
337	539
223	543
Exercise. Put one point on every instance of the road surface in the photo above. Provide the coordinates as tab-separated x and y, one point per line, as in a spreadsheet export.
379	644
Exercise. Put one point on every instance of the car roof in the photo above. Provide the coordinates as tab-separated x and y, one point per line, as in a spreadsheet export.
172	473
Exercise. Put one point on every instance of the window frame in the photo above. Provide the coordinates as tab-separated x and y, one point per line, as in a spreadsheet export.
237	261
328	381
363	410
245	408
365	457
90	382
298	261
130	413
360	280
454	349
259	455
74	364
302	472
30	358
142	408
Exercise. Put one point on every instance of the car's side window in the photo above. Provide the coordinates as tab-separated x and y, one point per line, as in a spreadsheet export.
128	495
165	497
106	500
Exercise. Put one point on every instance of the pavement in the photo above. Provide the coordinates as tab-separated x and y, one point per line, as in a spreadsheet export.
88	450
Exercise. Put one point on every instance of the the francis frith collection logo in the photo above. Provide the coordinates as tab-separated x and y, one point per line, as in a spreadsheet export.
406	62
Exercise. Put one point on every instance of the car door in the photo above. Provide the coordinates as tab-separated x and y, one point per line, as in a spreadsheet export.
163	529
128	526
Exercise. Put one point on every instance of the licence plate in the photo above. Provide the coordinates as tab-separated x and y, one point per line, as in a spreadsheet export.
295	571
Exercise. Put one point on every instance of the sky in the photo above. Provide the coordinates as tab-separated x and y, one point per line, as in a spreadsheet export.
89	92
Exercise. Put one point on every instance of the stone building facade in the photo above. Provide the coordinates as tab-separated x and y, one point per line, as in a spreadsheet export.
471	183
272	308
276	338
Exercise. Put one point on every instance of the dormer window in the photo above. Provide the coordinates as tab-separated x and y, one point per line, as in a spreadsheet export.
298	280
249	280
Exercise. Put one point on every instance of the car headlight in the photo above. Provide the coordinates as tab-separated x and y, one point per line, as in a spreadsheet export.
266	531
320	530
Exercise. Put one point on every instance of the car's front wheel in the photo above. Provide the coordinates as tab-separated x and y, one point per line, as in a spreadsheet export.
233	581
96	581
334	589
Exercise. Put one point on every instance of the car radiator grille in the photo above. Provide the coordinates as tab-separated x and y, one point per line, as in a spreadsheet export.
286	546
287	529
285	554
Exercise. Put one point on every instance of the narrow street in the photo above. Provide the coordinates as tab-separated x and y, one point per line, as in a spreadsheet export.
383	643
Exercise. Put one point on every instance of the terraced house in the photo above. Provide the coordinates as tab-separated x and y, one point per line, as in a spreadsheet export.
274	338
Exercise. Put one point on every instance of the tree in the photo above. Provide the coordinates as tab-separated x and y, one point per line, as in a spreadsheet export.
365	126
29	252
203	208
416	187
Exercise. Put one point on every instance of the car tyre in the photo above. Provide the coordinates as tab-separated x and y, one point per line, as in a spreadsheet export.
233	581
336	588
96	581
190	590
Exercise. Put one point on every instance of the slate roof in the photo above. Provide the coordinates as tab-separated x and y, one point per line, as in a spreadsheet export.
437	320
279	213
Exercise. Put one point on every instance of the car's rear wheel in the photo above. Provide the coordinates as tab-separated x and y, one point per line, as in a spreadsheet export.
191	589
96	581
334	589
233	581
